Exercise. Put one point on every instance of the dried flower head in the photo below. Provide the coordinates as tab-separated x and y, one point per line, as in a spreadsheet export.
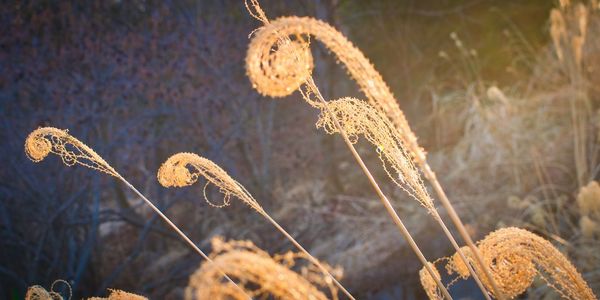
278	69
359	118
518	271
266	76
120	295
37	292
43	141
588	199
183	169
429	285
588	227
515	256
258	273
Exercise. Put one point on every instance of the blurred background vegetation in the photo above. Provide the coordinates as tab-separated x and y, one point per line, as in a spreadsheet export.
141	80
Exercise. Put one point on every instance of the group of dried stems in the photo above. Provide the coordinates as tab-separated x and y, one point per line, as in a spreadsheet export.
37	292
278	63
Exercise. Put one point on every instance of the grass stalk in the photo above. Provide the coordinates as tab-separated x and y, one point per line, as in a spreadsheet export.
460	252
176	229
430	175
309	256
72	151
384	200
176	172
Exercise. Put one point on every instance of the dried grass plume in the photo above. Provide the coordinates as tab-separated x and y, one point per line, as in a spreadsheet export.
259	274
46	140
515	256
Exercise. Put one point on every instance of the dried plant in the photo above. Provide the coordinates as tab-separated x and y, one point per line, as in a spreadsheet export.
557	31
183	169
515	256
568	30
45	140
37	292
120	295
359	118
258	64
588	201
279	80
259	274
356	118
432	290
71	150
175	172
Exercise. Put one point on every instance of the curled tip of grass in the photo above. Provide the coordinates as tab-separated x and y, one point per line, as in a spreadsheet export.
46	140
277	66
184	169
515	256
259	274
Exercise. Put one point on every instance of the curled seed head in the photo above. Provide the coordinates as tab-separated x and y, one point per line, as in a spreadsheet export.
258	273
45	140
515	256
183	169
37	147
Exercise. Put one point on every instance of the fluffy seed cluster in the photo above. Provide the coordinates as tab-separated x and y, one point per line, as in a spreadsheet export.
428	283
359	118
588	201
568	29
184	169
46	140
272	79
258	273
37	292
120	295
515	256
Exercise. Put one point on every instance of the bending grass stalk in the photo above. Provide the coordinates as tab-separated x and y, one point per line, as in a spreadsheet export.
174	172
384	200
73	151
260	15
309	256
461	253
289	79
359	118
176	229
430	175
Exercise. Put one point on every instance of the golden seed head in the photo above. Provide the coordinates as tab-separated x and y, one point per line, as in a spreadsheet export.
358	118
258	273
429	284
515	256
45	140
588	199
37	147
277	67
274	72
588	227
184	169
